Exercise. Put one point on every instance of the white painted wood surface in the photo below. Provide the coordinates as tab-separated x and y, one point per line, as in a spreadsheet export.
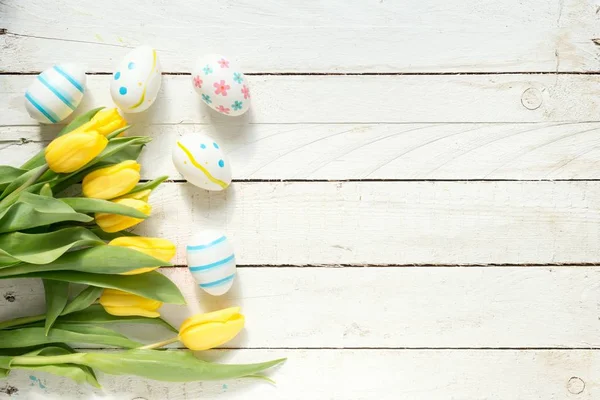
309	36
417	158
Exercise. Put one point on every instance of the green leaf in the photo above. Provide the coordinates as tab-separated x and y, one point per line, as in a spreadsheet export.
148	185
46	190
152	285
99	260
57	294
20	180
9	174
83	300
4	373
116	133
44	248
170	366
79	120
79	373
61	333
32	210
96	314
85	205
110	236
5	362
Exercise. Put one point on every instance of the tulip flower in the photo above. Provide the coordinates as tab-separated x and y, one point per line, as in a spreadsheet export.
158	248
206	331
114	223
72	151
110	182
105	122
119	303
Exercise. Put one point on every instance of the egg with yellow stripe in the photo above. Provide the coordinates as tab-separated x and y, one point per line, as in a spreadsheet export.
55	93
135	84
202	162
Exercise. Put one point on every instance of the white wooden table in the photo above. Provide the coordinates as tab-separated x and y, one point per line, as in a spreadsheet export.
416	205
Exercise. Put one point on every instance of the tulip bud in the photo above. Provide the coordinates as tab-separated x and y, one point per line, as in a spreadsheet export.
110	182
119	303
158	248
72	151
114	223
206	331
105	122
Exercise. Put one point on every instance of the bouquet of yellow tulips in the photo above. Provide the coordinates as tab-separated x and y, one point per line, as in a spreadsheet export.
65	240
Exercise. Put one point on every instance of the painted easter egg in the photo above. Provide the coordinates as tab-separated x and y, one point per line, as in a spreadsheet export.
211	261
55	93
136	82
201	161
221	84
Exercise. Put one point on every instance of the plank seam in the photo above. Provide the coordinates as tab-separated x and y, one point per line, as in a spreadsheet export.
413	265
306	73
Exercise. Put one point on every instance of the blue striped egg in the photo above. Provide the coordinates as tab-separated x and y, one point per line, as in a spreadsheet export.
55	93
211	261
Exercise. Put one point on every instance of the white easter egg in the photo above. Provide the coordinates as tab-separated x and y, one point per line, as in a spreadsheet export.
211	261
201	161
221	84
136	82
55	93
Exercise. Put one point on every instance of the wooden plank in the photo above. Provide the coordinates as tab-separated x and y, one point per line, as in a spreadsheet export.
389	222
402	307
355	99
358	375
366	151
337	36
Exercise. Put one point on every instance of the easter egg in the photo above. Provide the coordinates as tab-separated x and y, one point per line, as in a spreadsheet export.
136	82
221	84
55	93
201	161
211	261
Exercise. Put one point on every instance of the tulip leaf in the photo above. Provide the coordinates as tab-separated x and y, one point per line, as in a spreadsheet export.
85	205
108	236
170	366
60	333
4	373
9	174
57	294
97	315
32	210
79	373
99	260
151	285
116	133
83	300
79	120
20	180
44	248
148	185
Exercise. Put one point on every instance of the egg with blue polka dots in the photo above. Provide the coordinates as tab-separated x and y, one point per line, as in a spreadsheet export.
202	162
135	84
221	84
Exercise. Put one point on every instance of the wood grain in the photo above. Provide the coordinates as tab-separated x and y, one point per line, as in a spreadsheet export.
360	223
358	375
507	307
308	36
365	151
355	99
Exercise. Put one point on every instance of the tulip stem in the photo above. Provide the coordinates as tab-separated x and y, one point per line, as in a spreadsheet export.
159	344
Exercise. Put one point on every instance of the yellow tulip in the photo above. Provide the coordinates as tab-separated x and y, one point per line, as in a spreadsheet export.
116	302
162	249
206	331
114	223
110	182
105	121
72	151
141	195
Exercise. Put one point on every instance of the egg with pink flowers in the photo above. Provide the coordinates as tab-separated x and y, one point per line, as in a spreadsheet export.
222	84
